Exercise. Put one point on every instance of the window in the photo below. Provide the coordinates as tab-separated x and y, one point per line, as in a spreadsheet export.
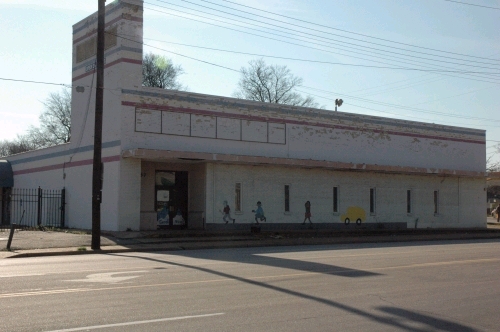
237	197
287	198
408	201
372	200
335	199
436	202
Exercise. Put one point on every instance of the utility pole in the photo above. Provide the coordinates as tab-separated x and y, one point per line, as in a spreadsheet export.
97	171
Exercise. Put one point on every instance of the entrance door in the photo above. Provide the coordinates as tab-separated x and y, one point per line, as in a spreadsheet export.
171	193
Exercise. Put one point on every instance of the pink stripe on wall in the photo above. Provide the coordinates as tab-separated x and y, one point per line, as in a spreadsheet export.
267	119
134	61
66	165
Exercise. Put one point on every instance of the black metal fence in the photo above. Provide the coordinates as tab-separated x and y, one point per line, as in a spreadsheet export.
33	207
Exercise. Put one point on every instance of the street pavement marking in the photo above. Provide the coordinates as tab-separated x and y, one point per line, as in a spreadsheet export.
95	327
337	271
108	277
22	275
466	261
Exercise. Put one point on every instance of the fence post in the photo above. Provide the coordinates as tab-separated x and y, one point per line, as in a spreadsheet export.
39	213
63	206
7	197
12	227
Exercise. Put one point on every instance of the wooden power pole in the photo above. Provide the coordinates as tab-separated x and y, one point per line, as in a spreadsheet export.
97	170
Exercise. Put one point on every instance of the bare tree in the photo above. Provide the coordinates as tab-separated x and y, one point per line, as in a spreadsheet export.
271	84
55	127
55	122
159	72
492	165
16	146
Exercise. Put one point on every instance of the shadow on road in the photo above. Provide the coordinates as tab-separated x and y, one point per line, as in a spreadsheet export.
402	319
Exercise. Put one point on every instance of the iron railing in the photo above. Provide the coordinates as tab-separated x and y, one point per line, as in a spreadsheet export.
33	207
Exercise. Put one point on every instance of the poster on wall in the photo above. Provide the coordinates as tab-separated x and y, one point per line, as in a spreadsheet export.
178	219
162	199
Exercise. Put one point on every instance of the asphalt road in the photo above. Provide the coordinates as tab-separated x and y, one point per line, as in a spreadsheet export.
419	286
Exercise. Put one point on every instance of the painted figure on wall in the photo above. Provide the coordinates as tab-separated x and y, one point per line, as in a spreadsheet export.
354	213
227	213
259	213
308	213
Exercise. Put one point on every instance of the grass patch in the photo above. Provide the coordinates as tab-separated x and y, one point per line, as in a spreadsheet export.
82	249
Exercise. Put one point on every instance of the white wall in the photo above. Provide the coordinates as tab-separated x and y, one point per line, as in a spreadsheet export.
177	121
457	204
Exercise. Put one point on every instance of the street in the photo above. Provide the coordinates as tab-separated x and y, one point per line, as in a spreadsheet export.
417	286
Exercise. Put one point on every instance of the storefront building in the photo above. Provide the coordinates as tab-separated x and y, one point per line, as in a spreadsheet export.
179	159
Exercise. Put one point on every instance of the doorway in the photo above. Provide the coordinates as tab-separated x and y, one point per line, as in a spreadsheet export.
171	199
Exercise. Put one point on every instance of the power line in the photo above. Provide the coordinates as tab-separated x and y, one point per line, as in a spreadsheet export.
291	43
287	42
355	33
362	99
320	62
343	42
414	109
36	82
468	4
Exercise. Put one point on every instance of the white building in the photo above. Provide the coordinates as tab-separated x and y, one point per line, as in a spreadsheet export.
169	153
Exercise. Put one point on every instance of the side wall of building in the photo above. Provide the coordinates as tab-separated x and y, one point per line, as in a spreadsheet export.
457	197
66	167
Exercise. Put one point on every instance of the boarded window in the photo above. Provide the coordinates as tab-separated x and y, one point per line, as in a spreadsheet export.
88	48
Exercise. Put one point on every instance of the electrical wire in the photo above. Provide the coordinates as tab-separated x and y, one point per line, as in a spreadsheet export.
469	4
353	97
358	34
317	61
309	47
308	35
409	108
36	82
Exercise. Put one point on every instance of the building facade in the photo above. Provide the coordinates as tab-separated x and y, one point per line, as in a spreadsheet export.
179	159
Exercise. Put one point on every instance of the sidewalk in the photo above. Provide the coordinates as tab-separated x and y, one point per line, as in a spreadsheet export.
30	243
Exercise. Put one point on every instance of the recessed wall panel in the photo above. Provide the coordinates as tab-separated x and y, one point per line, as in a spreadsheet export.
203	126
174	123
254	131
277	133
229	128
148	121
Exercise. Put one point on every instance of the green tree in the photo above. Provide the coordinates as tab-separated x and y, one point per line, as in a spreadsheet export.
159	72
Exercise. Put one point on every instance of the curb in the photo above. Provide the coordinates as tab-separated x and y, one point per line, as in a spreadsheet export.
257	242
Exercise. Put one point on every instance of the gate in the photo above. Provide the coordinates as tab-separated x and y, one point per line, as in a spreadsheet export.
33	207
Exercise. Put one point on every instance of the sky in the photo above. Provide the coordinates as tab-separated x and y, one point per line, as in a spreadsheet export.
435	61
